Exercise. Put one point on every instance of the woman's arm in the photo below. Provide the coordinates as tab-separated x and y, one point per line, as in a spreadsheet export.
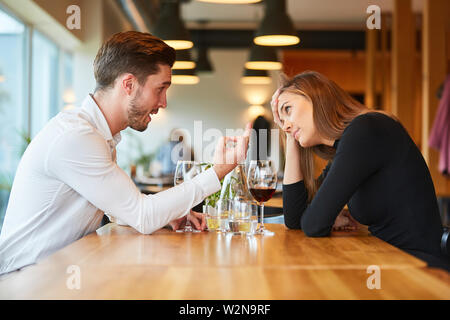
295	195
292	172
363	149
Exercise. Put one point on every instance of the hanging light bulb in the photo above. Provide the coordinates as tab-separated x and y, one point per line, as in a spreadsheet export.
185	76
231	1
276	28
254	111
263	58
255	77
170	27
183	60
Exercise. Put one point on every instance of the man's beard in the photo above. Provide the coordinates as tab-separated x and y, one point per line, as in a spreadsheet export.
136	115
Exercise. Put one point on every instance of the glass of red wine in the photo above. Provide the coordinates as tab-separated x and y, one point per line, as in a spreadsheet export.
262	182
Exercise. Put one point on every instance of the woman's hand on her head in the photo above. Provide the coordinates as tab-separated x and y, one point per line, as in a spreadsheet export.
274	105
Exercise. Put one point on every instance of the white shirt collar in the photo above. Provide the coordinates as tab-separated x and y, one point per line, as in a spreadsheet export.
99	121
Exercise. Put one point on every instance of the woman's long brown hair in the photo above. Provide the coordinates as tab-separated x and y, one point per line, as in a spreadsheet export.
333	110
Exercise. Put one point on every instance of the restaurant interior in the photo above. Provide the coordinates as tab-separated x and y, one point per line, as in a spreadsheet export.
390	55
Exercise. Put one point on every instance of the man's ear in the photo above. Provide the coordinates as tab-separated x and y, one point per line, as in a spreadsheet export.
128	83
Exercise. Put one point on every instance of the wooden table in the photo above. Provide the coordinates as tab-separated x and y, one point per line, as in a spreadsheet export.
117	262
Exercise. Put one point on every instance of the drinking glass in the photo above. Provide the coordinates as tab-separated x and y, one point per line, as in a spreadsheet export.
244	217
262	183
223	209
185	171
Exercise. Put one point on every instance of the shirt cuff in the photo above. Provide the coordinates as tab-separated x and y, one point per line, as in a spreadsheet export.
209	181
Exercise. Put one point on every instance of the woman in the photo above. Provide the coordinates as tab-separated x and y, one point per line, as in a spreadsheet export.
375	168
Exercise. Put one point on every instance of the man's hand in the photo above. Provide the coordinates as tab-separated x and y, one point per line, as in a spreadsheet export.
197	219
345	221
230	151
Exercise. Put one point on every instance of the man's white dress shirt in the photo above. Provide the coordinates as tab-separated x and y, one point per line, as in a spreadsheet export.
66	180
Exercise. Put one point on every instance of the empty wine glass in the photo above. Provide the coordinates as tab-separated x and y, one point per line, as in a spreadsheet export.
185	171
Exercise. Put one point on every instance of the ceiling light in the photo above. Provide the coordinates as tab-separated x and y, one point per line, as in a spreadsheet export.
186	76
263	58
276	28
170	27
183	60
254	111
255	77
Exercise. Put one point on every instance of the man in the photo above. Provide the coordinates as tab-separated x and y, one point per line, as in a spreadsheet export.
68	178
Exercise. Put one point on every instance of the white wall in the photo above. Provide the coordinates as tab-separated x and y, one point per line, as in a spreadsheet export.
219	101
100	19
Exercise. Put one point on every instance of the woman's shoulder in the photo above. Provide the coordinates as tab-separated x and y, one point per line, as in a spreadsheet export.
375	118
373	127
373	122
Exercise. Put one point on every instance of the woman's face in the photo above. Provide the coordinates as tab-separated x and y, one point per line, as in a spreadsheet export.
296	115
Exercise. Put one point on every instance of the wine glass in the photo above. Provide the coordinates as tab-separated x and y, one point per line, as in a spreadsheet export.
262	183
184	171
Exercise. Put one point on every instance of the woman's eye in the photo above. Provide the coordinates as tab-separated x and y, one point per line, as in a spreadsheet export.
287	109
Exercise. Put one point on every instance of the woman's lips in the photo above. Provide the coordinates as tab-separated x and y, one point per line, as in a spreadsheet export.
296	133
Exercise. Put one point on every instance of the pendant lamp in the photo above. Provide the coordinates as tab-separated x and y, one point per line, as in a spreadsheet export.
170	27
276	28
263	58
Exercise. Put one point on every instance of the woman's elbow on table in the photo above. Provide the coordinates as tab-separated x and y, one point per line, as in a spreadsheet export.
292	224
314	230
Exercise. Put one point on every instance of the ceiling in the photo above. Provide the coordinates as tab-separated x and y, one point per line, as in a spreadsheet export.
322	24
313	14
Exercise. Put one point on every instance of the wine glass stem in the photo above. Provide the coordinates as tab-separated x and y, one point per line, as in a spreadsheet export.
262	215
187	226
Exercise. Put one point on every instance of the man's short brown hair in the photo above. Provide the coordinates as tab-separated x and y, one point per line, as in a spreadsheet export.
130	52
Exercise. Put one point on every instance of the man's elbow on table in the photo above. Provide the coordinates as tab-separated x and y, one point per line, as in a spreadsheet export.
146	228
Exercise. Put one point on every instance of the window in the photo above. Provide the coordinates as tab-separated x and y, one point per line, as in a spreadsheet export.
13	106
44	84
36	82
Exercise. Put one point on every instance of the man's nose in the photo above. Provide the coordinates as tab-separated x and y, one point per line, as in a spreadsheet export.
163	102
